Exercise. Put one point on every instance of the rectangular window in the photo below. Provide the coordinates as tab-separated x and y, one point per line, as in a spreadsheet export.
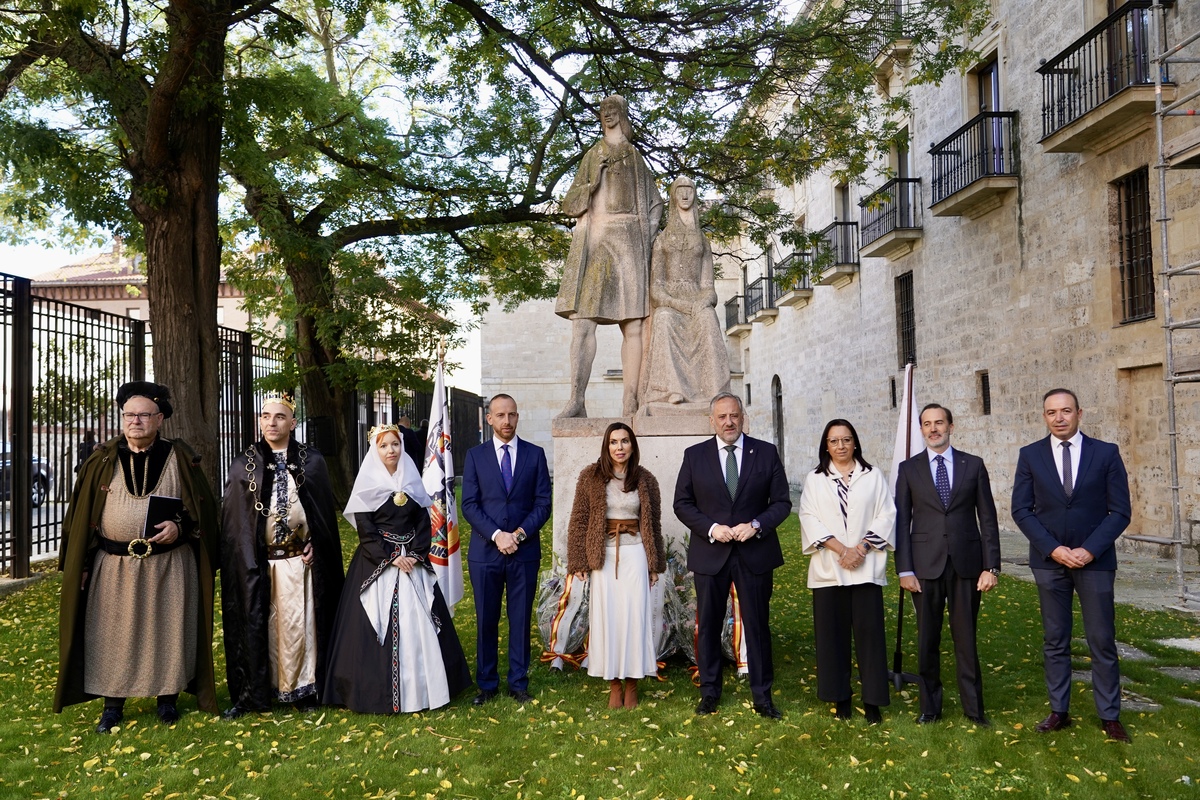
1133	242
985	392
906	322
892	386
747	395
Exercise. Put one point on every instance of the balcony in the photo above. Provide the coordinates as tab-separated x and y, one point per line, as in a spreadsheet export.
895	41
974	167
795	292
841	242
1099	92
735	317
760	300
891	219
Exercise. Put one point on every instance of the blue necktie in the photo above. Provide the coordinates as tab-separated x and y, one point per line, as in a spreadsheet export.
506	468
942	481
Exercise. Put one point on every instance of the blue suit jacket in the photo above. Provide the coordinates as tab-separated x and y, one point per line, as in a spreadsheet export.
1094	516
489	508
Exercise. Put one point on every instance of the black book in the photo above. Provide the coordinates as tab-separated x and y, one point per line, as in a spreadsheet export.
160	509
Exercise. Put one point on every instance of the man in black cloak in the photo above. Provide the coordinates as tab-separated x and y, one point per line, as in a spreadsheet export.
281	567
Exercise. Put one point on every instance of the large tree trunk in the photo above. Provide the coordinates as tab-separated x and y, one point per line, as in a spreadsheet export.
176	184
311	281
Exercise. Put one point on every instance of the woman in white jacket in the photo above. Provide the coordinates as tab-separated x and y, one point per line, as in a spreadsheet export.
848	521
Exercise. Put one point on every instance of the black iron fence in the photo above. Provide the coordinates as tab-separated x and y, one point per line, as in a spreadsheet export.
894	206
60	367
892	23
984	147
1112	56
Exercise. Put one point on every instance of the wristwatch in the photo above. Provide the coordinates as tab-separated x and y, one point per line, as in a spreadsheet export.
520	534
994	570
757	527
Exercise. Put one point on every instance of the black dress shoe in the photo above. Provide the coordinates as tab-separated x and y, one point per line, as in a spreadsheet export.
109	719
981	721
1114	730
520	695
926	719
872	712
707	705
768	710
843	710
483	696
168	713
1054	722
234	711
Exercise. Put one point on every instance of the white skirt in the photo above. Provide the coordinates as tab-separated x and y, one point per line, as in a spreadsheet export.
398	606
620	638
292	630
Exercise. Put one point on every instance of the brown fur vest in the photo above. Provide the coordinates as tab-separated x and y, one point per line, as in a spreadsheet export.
586	530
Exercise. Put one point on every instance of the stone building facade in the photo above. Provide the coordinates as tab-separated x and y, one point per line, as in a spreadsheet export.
997	266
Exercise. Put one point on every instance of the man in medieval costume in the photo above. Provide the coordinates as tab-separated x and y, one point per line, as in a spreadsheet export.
137	550
281	567
606	276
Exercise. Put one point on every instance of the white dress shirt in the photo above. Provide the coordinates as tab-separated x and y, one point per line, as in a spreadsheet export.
949	458
512	457
722	457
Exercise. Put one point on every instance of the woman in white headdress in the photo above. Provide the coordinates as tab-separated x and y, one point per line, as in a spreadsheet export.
394	648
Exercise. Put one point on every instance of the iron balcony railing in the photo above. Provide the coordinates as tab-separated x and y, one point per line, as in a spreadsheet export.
760	294
784	283
735	312
984	147
1112	56
894	206
841	241
892	24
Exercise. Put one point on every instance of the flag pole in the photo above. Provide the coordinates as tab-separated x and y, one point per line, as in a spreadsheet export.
897	674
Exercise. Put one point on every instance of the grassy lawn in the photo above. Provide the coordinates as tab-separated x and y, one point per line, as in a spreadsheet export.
569	745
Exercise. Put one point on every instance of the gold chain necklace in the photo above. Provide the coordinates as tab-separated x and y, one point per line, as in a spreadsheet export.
251	451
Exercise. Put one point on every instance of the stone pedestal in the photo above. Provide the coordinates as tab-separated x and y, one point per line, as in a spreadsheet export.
661	440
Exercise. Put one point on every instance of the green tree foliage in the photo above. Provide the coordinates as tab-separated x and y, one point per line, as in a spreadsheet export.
385	157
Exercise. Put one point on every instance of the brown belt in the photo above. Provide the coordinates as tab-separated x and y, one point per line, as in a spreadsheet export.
291	548
614	528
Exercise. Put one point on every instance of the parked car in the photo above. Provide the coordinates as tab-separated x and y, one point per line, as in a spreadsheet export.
41	479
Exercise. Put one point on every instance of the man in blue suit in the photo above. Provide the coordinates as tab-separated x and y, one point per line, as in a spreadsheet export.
732	494
1071	500
506	498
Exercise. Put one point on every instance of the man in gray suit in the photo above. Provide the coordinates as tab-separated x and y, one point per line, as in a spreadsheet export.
947	553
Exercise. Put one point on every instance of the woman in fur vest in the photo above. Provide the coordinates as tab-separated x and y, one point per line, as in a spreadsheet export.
616	533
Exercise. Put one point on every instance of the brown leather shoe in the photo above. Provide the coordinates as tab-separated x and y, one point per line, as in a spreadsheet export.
1054	722
616	693
631	695
1113	729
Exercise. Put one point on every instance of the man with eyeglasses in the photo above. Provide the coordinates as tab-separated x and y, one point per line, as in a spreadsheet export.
137	595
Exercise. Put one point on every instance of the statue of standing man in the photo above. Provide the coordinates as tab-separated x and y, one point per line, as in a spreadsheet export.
606	278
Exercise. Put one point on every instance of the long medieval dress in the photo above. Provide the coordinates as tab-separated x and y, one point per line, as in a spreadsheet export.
394	647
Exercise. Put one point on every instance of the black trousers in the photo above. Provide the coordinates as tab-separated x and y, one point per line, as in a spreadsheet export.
754	599
959	592
838	612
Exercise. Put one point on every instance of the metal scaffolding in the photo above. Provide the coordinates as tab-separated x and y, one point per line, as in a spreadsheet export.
1181	152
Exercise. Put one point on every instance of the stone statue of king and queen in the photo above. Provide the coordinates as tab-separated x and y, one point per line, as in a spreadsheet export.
658	286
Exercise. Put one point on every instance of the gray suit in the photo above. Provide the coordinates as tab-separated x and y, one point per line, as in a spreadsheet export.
947	547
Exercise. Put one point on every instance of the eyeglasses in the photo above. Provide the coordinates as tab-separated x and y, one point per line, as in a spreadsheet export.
142	417
835	442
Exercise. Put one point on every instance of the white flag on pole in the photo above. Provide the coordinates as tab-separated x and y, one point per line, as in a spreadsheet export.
438	477
908	429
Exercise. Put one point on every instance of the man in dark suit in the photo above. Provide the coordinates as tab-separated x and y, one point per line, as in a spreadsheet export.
1071	500
731	494
947	553
506	498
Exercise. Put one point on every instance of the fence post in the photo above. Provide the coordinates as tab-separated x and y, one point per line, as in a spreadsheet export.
249	412
20	466
137	350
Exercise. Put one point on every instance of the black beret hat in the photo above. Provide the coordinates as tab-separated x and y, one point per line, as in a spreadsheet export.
155	392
